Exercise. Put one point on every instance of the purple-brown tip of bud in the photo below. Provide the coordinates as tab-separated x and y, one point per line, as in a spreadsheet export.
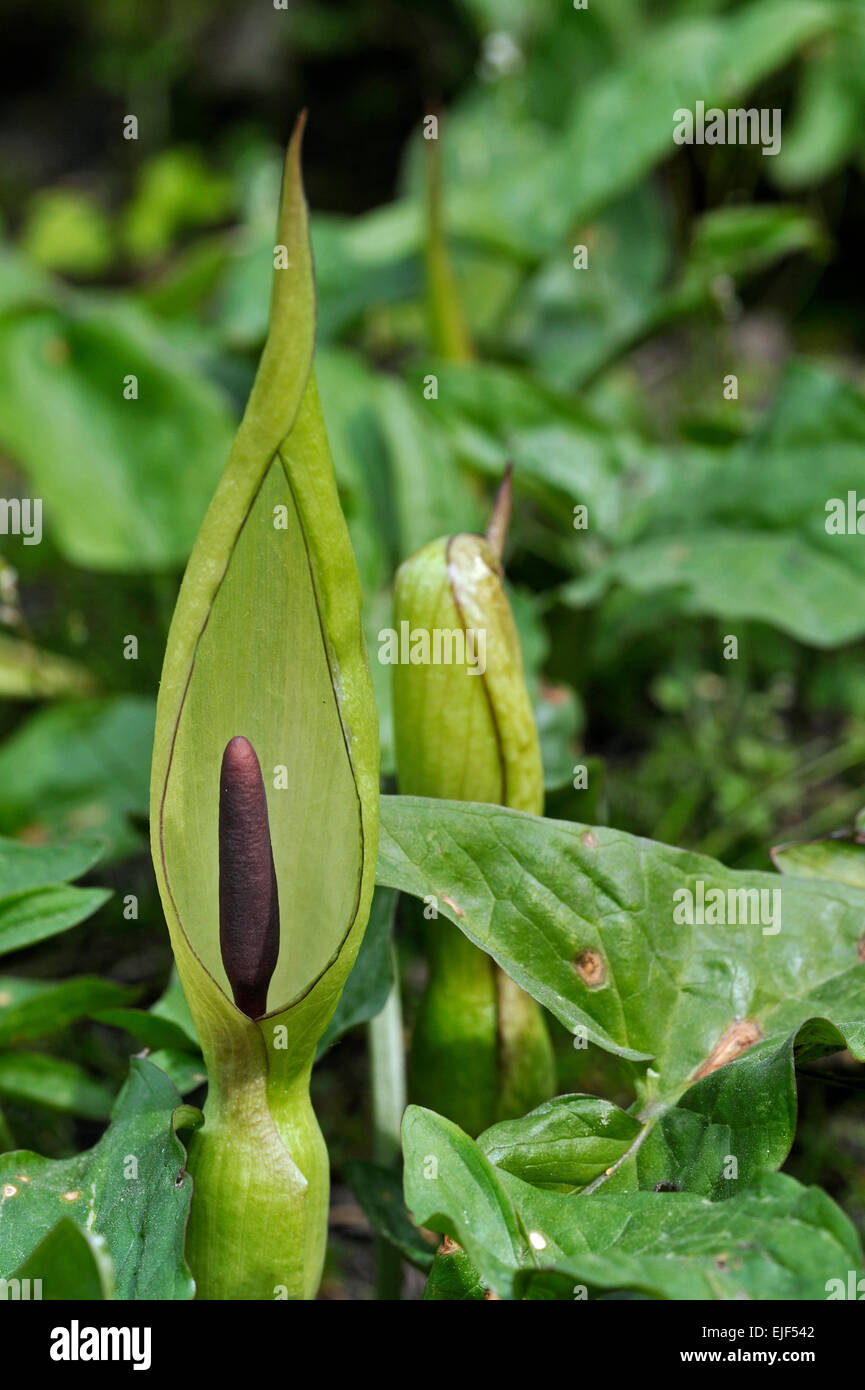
501	514
248	900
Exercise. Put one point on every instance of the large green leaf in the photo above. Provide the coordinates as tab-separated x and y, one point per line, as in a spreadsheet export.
583	918
738	552
71	1264
739	575
500	164
53	1083
826	125
79	768
836	858
26	918
623	122
37	1008
125	481
33	905
722	1133
23	866
565	1142
131	1189
776	1240
569	324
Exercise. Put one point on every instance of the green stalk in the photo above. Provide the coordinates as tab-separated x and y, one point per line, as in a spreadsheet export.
386	1055
387	1073
448	329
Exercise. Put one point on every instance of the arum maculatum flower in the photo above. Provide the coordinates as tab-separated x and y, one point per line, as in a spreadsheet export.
481	1051
264	805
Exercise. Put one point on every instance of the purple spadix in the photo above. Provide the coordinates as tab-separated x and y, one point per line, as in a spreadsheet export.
248	899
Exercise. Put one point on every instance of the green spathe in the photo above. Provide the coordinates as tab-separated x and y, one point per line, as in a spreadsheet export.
266	643
471	739
480	1051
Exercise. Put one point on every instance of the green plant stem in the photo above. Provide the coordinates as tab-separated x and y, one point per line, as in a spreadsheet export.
258	1221
388	1078
449	332
387	1072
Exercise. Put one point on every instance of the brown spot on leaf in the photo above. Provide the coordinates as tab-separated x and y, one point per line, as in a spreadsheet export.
35	834
590	840
861	951
490	1297
732	1043
448	1246
590	967
455	907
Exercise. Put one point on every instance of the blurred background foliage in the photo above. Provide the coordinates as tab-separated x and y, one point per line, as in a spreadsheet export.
706	516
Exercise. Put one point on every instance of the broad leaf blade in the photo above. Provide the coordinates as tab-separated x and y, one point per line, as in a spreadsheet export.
778	1240
34	904
584	919
35	1009
131	1189
23	866
26	918
566	1142
79	768
34	1078
839	859
70	1264
118	495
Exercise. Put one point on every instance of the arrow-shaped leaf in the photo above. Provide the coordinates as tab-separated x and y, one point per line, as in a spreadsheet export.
777	1240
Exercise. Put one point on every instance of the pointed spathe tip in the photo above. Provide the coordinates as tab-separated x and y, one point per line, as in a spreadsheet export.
296	139
501	514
